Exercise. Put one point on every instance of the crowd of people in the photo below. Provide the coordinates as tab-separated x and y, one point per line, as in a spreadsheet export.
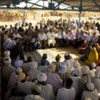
24	79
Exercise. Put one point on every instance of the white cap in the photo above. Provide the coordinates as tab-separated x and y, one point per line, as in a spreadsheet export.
85	70
42	77
93	65
90	86
7	60
33	97
7	53
18	63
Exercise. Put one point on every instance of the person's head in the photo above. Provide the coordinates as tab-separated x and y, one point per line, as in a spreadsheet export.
92	65
17	40
29	59
94	34
85	70
69	83
44	56
22	76
90	86
58	57
85	41
67	56
16	31
42	78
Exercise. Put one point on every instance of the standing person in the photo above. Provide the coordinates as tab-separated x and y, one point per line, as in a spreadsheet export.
23	22
68	92
90	92
46	90
19	22
57	63
96	79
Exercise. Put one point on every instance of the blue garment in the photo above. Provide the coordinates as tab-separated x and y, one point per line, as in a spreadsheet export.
82	37
46	63
77	35
23	22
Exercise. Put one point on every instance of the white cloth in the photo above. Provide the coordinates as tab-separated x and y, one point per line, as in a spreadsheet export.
42	36
42	77
47	92
92	72
33	97
13	79
29	66
88	38
7	42
25	87
63	69
93	95
33	74
66	94
17	36
7	70
18	63
55	80
77	84
70	64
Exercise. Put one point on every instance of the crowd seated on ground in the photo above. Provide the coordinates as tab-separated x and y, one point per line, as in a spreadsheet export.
25	79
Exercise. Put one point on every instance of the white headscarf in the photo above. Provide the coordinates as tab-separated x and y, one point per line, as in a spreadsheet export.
33	97
76	64
93	65
85	70
42	77
90	86
7	53
7	60
97	73
63	68
18	63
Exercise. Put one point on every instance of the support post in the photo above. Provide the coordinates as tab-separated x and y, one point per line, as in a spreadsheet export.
80	11
79	23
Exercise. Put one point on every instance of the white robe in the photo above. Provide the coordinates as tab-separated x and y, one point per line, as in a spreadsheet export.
66	94
25	87
13	79
77	84
55	80
47	92
32	74
7	70
91	94
29	66
96	82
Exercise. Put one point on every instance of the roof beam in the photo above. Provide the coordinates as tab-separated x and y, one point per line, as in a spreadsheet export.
96	4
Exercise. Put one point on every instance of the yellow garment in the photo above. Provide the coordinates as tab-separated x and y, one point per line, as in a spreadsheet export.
22	76
93	56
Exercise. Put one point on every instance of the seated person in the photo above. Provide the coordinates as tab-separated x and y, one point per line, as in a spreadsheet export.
60	37
44	60
83	48
42	37
92	57
51	38
94	38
